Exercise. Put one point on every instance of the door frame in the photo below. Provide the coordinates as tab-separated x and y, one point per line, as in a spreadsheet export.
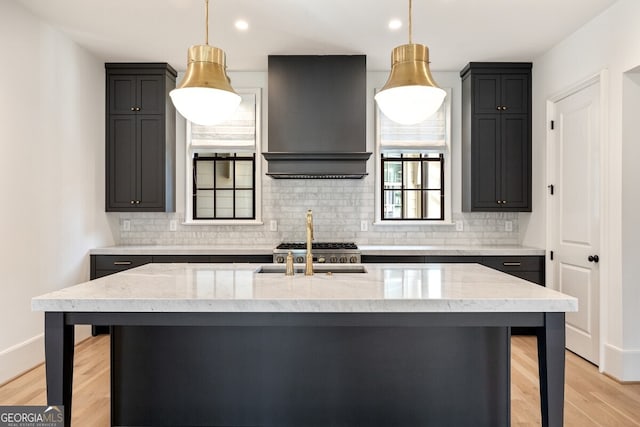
601	78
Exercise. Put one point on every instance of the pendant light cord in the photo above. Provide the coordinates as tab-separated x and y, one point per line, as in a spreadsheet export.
410	21
206	21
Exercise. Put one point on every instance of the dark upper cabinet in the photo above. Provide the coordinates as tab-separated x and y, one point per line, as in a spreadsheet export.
140	138
130	93
496	137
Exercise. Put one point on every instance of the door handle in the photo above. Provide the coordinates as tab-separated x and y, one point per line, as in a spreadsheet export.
593	258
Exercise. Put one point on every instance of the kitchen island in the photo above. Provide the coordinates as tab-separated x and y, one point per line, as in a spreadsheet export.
237	344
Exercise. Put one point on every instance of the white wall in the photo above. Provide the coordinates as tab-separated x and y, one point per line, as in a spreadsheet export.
51	175
610	41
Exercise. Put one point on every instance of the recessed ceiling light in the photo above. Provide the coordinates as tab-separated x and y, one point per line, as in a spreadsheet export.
242	25
395	24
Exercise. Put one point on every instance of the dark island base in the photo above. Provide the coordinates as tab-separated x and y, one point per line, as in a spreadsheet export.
310	376
308	369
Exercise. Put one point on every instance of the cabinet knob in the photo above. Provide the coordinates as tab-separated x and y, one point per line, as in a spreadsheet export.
499	202
498	108
138	108
504	108
134	108
132	202
137	202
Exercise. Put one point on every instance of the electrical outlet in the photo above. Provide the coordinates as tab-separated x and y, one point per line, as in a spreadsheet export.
459	225
126	225
273	225
508	226
364	225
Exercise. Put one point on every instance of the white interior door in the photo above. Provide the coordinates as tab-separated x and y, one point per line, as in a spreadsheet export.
575	214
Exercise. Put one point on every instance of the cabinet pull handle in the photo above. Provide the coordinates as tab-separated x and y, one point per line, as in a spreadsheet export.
511	264
121	262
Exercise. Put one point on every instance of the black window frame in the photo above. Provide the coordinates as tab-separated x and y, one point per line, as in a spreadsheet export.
404	158
197	157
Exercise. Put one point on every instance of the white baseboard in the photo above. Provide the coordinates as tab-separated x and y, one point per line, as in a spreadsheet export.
28	354
623	365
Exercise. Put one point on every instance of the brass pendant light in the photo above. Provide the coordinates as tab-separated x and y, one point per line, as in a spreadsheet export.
205	96
410	95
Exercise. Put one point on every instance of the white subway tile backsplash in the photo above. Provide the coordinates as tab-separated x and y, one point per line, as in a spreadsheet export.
338	207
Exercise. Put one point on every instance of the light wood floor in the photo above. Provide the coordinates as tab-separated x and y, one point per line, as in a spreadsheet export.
591	399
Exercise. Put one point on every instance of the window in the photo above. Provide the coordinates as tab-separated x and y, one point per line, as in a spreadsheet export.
222	167
224	186
414	173
412	186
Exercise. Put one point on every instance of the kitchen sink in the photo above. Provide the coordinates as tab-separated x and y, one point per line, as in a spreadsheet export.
317	268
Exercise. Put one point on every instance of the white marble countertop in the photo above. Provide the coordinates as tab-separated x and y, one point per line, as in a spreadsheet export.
184	250
241	288
485	250
506	250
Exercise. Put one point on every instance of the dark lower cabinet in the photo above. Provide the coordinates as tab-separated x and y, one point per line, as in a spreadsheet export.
104	265
530	267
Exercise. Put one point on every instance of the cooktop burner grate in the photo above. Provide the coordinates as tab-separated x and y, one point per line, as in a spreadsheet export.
320	246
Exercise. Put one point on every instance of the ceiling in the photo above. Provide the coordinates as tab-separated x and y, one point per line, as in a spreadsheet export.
456	31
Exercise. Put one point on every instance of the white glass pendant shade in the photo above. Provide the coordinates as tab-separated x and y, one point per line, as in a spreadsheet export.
410	95
409	105
205	106
205	95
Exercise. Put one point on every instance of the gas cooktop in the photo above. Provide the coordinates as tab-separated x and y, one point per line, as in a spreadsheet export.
323	252
319	245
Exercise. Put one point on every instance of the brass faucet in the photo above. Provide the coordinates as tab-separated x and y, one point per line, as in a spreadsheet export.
308	271
289	266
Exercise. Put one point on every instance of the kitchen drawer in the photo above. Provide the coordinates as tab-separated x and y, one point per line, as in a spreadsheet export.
458	259
262	259
392	259
514	263
181	258
120	262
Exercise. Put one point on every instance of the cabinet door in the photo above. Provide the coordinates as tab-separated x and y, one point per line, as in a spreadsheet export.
150	96
121	162
486	93
122	94
486	159
514	93
516	163
150	185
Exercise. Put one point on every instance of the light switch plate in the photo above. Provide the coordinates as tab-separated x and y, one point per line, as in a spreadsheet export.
459	225
273	225
173	225
508	226
126	225
364	226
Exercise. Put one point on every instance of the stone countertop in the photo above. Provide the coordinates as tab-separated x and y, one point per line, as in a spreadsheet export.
365	250
444	250
383	288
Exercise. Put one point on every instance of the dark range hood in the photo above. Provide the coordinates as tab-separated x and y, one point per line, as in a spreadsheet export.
317	116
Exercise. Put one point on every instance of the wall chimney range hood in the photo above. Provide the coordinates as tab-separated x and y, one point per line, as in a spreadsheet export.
317	117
